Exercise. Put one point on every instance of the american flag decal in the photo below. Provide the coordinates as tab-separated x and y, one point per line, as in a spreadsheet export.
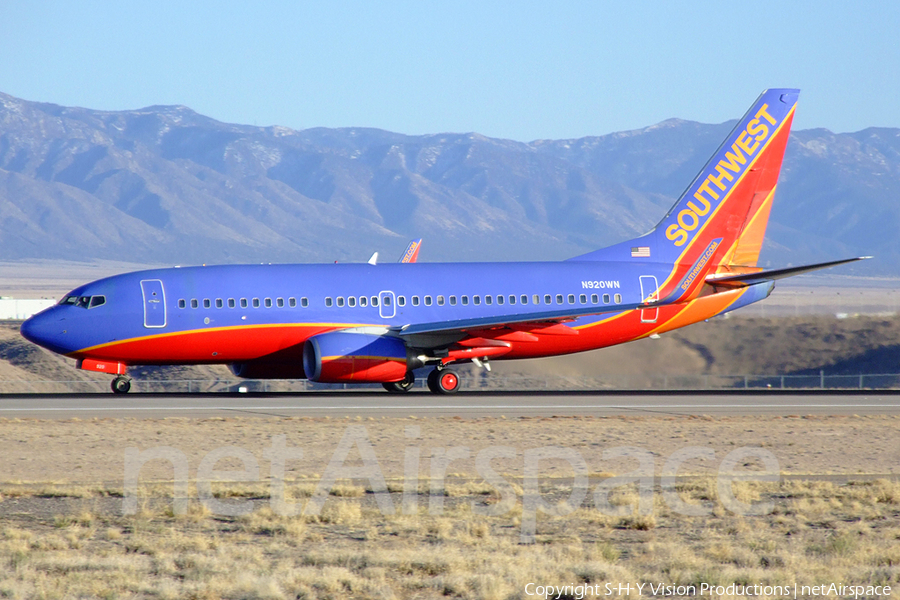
640	252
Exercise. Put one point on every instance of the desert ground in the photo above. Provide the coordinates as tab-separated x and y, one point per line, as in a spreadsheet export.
833	517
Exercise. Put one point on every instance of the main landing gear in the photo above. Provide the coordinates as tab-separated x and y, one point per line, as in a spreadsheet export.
440	381
443	381
121	385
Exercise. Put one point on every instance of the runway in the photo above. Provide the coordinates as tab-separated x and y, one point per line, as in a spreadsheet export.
378	404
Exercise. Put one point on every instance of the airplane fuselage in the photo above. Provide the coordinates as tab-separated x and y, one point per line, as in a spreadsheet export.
245	313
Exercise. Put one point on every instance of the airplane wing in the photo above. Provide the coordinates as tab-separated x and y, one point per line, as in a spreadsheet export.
745	279
547	321
412	252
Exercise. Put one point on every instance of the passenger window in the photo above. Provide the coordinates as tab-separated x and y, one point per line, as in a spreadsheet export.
351	301
618	298
452	300
340	301
206	303
243	303
547	299
440	300
256	303
499	298
595	299
363	301
292	302
231	303
427	300
536	299
524	298
97	301
194	303
374	300
401	300
304	301
488	299
559	298
182	303
329	301
605	298
512	299
279	302
465	300
583	299
220	303
268	302
476	299
415	300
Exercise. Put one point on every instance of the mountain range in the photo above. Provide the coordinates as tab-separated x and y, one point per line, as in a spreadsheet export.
166	185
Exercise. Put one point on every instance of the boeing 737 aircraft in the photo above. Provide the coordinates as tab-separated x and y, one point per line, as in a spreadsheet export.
376	323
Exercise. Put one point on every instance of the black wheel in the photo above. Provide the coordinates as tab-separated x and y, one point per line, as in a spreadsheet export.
443	381
121	385
400	387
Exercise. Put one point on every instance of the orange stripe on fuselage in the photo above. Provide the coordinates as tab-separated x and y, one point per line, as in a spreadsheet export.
215	345
701	309
626	327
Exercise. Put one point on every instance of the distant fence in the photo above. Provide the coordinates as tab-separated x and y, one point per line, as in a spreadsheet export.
478	381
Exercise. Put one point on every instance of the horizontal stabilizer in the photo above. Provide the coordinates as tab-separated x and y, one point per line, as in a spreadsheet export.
745	279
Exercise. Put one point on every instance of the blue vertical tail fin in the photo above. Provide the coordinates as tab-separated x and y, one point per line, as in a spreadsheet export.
721	217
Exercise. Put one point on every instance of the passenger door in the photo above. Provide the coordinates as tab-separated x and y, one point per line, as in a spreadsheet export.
154	303
650	293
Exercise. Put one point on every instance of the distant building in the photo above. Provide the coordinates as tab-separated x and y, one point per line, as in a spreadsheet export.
22	308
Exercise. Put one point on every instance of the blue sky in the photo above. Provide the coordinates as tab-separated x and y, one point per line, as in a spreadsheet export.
524	70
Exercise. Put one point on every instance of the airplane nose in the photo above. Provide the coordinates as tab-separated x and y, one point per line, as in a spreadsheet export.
47	329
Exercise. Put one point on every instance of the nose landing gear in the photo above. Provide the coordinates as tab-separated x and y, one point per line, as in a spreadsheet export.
400	387
121	385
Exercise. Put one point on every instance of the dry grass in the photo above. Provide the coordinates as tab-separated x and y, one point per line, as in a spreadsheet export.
818	532
66	536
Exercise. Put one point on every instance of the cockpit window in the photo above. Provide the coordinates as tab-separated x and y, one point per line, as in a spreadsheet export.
84	301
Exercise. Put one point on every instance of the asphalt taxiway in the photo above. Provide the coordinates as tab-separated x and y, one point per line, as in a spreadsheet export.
464	404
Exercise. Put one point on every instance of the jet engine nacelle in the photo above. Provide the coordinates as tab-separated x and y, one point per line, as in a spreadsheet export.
346	357
266	370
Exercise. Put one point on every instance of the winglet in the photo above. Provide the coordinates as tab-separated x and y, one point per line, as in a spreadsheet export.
412	252
374	259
